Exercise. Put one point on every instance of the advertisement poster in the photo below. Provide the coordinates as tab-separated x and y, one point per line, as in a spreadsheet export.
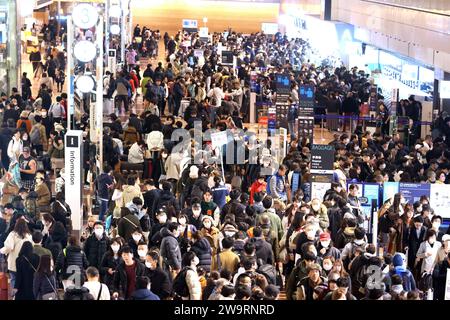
413	191
283	83
440	199
306	96
389	190
272	118
318	190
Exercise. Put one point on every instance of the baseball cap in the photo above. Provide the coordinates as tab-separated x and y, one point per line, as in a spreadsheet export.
324	236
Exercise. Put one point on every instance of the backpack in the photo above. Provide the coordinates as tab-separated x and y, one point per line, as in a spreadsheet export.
270	272
293	239
180	287
23	126
35	136
360	277
354	247
425	282
145	223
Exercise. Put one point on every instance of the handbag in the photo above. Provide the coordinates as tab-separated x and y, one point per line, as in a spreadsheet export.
52	295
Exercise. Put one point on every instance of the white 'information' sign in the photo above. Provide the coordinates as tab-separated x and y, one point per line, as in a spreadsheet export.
73	155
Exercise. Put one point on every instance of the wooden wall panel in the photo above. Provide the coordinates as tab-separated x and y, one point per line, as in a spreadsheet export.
168	15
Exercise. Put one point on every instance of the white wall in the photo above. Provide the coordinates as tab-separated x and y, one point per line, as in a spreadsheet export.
420	35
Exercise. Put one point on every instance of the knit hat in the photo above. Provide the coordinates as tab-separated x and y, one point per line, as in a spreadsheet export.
208	217
445	237
324	236
193	172
398	260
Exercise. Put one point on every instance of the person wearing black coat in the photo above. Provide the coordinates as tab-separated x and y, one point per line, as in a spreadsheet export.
233	207
122	285
71	260
159	279
96	245
60	210
26	265
202	249
110	261
413	239
166	198
264	250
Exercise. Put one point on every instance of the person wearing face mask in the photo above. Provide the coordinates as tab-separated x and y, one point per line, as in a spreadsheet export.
320	211
44	195
194	214
136	239
155	235
426	255
170	249
325	247
436	222
212	234
159	280
110	261
186	233
96	245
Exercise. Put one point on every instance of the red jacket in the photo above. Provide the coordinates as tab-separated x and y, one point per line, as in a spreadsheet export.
257	187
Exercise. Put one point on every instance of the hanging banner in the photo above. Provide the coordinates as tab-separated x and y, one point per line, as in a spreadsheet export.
440	199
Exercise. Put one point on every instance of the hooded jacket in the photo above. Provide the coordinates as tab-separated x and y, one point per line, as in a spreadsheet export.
144	294
170	250
131	192
95	249
202	249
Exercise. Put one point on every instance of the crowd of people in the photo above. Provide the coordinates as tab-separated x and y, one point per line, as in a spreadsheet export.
166	227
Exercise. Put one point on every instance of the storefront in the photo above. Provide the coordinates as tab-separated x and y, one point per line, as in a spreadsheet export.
331	41
391	70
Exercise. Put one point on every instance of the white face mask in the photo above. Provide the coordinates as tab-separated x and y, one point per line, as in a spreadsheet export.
142	253
436	225
137	237
149	265
162	219
327	266
164	155
182	221
230	233
196	213
325	244
98	232
207	224
382	166
310	234
196	261
115	248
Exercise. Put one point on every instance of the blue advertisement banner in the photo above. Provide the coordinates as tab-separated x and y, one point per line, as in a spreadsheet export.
413	191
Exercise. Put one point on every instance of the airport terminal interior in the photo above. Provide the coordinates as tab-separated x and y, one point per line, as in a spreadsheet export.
225	150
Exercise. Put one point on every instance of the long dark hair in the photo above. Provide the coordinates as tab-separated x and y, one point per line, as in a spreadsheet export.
45	265
26	250
21	228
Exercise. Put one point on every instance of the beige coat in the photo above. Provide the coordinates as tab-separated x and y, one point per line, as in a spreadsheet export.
131	192
13	244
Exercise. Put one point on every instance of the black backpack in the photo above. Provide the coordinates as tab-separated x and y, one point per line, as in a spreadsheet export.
270	272
145	223
180	287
